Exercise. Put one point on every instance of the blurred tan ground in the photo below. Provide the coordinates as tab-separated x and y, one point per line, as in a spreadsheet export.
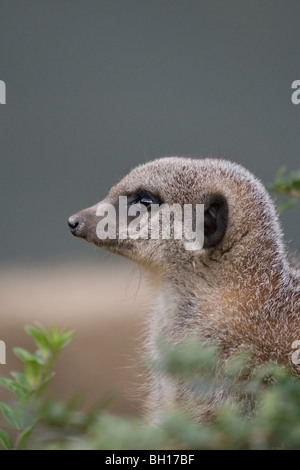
107	308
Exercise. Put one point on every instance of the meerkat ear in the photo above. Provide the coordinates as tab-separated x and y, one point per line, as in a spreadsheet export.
215	219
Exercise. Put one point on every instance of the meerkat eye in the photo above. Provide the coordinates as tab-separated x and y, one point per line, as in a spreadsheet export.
145	198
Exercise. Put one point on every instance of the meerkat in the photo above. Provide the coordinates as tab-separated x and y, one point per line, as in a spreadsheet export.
237	292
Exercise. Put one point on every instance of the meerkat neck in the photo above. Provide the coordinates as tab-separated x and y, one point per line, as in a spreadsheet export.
193	298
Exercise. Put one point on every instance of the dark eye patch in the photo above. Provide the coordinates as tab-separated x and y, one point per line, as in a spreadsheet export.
215	220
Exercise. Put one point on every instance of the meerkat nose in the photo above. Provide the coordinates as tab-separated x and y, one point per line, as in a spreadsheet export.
75	223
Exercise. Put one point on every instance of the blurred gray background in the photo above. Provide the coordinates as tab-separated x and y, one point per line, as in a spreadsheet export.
95	87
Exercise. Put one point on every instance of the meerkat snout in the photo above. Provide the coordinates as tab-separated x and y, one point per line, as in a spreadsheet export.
236	291
75	224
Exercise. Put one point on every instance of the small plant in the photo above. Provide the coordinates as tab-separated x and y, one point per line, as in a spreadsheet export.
288	186
27	386
272	421
263	414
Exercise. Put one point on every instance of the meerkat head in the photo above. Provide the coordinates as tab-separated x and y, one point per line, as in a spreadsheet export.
234	206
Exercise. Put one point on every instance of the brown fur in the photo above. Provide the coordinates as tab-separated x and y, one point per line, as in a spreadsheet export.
240	293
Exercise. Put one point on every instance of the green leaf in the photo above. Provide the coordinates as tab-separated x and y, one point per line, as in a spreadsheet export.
21	380
59	339
13	387
287	185
32	373
40	337
25	434
53	336
38	333
40	357
64	338
296	185
23	354
5	440
10	415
